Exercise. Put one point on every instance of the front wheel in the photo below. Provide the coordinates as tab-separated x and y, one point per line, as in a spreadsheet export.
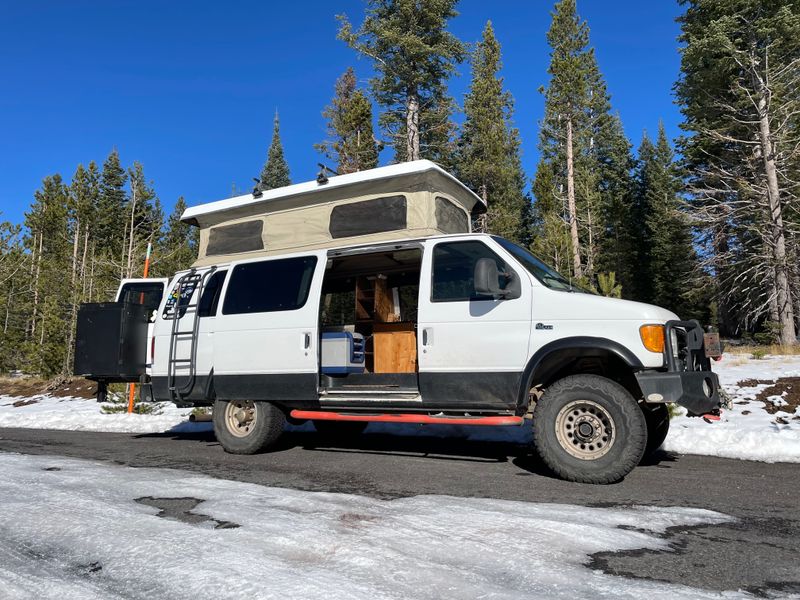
245	426
589	429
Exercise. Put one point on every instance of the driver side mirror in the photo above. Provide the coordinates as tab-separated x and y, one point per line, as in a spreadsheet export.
487	279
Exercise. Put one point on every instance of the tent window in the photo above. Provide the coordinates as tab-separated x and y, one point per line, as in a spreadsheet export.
450	218
369	216
240	237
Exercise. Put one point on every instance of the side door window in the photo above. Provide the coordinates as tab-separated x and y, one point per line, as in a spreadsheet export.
453	271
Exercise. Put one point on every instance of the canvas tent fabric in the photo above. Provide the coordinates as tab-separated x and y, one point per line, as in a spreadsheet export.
408	200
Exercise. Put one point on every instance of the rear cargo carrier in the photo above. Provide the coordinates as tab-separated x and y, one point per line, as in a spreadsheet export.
111	342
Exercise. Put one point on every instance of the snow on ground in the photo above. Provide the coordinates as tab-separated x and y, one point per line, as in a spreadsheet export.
747	432
80	414
72	529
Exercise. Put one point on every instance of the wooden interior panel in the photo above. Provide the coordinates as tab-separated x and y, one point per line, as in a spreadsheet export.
395	348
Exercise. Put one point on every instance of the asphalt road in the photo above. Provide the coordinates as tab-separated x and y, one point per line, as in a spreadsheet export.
760	552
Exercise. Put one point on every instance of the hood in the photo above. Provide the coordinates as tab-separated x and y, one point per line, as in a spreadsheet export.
588	306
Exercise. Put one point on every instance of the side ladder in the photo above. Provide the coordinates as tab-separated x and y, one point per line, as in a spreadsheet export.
194	283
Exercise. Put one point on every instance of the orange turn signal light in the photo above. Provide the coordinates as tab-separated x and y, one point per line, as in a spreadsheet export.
652	337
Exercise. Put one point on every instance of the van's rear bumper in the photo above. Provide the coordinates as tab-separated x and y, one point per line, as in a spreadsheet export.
697	391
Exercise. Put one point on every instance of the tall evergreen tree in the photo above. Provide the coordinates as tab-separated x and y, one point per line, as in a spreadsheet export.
110	226
413	55
177	248
488	159
351	141
275	173
617	216
567	107
667	259
738	94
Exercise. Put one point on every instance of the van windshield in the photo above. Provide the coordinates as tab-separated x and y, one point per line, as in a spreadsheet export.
546	275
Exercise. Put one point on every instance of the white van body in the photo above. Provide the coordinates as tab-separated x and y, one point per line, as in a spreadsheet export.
432	324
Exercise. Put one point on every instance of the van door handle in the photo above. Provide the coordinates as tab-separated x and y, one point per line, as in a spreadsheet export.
306	341
427	336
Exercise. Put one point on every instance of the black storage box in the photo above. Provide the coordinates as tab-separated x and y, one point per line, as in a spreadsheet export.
111	341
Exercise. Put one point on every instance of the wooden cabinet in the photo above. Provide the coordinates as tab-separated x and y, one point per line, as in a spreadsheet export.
394	347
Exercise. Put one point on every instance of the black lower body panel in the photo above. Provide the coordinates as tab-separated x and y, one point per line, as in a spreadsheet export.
470	391
697	391
277	387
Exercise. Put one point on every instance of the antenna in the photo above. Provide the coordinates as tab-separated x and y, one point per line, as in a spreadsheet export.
257	191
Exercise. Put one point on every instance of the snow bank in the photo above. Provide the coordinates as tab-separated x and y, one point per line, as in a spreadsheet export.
80	414
747	431
71	529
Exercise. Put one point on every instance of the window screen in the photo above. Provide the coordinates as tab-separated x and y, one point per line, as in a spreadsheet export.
269	286
147	293
449	217
369	216
454	270
211	293
240	237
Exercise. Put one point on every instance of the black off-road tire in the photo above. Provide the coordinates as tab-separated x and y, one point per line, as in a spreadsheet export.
259	433
340	429
657	418
596	403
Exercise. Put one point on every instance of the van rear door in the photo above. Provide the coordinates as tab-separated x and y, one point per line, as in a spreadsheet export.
143	291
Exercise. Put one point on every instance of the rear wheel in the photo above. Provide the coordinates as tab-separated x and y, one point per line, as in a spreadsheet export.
657	418
589	429
340	429
247	427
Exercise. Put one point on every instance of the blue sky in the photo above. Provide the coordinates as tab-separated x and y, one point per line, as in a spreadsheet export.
190	88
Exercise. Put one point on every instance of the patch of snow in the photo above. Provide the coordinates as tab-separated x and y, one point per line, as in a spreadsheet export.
80	414
747	431
71	529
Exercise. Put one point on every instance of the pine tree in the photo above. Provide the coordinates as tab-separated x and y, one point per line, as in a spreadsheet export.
275	173
567	102
667	259
177	249
109	228
738	94
351	142
617	239
46	224
488	158
144	219
413	55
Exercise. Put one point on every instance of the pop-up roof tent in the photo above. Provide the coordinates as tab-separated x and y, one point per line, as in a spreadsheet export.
407	200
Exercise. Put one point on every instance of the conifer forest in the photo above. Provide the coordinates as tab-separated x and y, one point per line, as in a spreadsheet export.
706	225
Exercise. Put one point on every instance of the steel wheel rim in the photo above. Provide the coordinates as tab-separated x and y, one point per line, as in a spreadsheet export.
240	417
585	429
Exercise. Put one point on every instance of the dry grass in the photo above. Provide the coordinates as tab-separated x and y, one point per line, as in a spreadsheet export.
774	349
33	386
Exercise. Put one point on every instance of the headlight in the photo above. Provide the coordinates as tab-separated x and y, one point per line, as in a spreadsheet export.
652	337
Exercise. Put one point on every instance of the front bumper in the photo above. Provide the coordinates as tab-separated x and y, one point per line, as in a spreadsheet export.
687	378
697	391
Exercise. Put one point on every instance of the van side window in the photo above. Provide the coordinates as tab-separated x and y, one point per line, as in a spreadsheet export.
211	293
269	286
186	292
454	270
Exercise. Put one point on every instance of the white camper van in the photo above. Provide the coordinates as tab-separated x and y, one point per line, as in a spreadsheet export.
366	297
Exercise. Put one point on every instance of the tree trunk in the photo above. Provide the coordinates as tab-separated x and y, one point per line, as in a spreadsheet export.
412	126
130	243
573	216
37	271
788	335
73	301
